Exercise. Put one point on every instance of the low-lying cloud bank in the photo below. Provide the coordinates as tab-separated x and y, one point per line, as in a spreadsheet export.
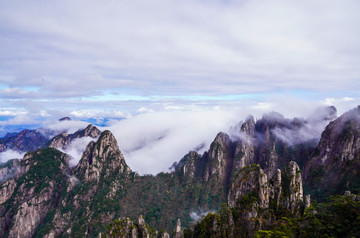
152	141
10	154
301	130
76	149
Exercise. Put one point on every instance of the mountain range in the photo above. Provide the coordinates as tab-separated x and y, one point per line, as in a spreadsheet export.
246	182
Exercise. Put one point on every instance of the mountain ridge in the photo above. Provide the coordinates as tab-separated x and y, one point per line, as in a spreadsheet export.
102	187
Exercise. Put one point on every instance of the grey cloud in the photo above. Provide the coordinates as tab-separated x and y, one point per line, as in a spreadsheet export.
197	47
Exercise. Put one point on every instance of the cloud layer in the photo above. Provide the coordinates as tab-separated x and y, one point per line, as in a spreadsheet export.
10	154
152	142
121	59
80	49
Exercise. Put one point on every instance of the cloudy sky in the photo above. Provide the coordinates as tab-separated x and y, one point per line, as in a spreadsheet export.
118	58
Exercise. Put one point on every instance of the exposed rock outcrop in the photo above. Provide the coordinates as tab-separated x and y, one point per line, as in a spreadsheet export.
127	228
245	148
293	188
335	165
178	233
102	158
63	140
97	181
255	173
252	194
219	158
33	194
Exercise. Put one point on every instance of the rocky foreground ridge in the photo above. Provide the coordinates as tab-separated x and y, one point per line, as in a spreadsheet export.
254	178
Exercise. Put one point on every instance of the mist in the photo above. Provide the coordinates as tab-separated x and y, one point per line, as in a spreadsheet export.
10	154
196	216
152	142
300	130
55	127
76	148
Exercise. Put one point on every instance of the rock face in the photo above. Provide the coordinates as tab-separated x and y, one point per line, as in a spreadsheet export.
251	180
142	230
33	194
93	191
219	158
245	148
102	158
178	233
127	228
63	140
293	188
26	140
335	165
253	195
9	169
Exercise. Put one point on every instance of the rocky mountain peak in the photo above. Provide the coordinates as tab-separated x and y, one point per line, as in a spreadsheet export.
222	139
336	160
91	131
101	158
64	139
219	157
248	127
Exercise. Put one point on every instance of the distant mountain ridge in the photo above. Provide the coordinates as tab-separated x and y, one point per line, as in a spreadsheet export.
26	140
255	172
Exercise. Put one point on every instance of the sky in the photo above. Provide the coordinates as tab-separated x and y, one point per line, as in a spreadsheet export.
117	59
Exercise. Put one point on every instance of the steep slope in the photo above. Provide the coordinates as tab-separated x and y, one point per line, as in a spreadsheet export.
335	164
255	202
256	171
27	199
92	199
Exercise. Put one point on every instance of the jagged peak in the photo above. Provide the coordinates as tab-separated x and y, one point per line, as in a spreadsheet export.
248	127
107	139
349	121
64	139
222	138
187	165
91	131
101	157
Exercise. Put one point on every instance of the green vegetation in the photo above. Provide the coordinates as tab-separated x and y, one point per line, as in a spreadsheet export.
340	217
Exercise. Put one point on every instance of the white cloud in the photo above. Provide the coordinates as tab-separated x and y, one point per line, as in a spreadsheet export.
11	112
65	126
77	148
343	104
151	142
10	154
